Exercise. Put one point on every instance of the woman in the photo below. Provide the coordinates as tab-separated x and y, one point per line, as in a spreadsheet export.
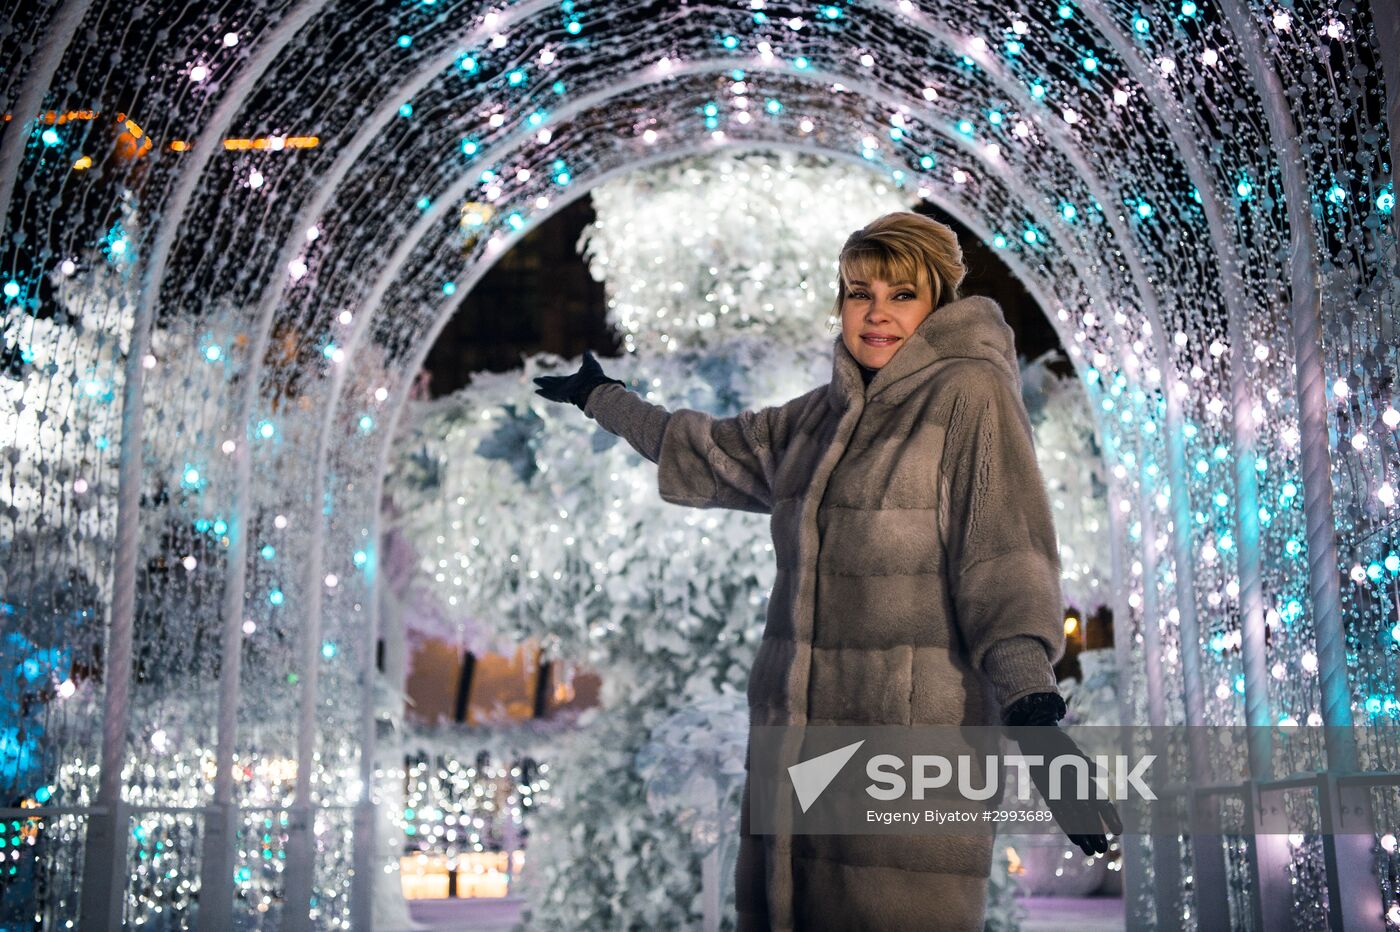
918	572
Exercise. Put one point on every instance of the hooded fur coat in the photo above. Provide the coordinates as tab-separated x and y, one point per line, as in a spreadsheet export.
912	533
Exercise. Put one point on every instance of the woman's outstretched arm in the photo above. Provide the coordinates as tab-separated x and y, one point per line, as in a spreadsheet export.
631	417
702	461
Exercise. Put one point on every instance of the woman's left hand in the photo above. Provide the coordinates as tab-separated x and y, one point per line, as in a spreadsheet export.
1082	818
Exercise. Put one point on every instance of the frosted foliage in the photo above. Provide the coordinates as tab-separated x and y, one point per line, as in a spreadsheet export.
1200	195
1072	466
699	250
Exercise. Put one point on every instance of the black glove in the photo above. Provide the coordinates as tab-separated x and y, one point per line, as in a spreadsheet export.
1033	723
577	387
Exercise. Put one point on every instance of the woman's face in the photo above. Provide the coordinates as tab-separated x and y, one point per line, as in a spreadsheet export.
878	309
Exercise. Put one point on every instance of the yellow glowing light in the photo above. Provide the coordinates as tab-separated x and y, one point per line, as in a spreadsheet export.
480	874
1071	623
476	214
1013	862
273	142
82	163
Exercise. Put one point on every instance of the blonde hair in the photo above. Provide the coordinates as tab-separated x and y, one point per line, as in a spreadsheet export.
903	246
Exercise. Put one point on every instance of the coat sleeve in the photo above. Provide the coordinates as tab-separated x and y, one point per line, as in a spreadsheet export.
702	461
1002	556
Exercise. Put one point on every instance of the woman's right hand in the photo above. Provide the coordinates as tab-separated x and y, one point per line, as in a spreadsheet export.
575	388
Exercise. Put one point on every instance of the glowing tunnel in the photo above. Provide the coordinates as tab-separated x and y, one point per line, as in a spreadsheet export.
235	231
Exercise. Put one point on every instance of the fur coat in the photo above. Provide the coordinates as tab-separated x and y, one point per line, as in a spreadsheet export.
912	533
